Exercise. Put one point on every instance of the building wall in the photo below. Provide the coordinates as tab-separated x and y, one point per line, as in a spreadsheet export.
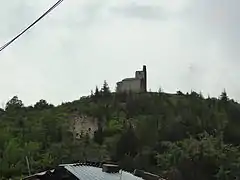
139	74
82	125
136	84
133	85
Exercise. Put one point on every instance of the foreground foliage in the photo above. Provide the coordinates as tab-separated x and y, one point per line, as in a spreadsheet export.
180	136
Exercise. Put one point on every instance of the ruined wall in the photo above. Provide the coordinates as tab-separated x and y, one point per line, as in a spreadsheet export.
82	125
133	85
136	84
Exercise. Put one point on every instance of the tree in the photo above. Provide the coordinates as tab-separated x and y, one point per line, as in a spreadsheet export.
12	155
224	96
202	158
185	136
201	95
96	94
1	112
42	104
194	94
160	90
127	144
14	104
98	136
105	89
179	93
92	94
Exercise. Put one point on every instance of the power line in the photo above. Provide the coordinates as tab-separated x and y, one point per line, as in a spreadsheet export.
31	25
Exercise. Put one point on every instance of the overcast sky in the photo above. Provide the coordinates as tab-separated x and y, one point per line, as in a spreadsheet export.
186	44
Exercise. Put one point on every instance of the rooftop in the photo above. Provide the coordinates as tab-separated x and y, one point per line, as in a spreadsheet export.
129	79
84	172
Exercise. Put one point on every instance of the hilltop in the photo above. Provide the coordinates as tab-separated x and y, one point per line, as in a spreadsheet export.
179	136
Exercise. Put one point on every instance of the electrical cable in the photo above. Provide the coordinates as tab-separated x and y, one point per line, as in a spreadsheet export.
31	25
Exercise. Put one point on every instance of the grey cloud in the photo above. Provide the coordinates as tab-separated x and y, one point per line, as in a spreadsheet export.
14	17
219	19
148	12
85	15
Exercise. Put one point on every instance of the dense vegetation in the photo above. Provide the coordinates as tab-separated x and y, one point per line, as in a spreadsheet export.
179	136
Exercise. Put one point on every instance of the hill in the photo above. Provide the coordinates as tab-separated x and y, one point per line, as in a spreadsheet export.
179	136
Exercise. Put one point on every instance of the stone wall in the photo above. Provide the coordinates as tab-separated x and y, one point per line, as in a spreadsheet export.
136	84
82	125
133	85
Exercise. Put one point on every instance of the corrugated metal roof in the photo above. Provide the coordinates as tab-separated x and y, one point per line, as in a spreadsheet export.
84	172
39	174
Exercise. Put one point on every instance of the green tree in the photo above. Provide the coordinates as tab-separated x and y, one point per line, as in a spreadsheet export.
12	159
180	93
14	104
127	144
202	158
97	93
42	104
105	89
185	136
98	136
224	96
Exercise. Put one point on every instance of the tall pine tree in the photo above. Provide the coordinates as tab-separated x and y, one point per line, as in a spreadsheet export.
105	89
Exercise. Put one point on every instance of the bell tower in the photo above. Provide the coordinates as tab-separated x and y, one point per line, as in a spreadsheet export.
144	78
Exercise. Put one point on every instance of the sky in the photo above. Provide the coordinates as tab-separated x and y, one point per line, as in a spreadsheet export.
185	44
